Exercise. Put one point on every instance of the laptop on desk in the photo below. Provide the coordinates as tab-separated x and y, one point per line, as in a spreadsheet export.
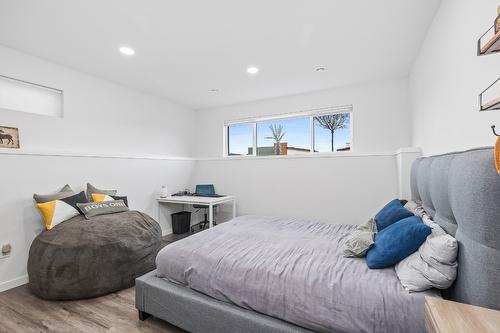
208	195
206	191
201	191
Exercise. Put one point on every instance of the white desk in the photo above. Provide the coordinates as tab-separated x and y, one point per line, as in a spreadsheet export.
205	201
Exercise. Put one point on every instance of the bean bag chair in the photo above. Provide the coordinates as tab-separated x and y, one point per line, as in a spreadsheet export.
82	258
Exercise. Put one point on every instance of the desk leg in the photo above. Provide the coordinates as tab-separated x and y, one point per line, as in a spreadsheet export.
234	209
159	214
210	216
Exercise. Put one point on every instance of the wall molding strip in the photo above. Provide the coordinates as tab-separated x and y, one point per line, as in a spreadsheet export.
92	155
409	150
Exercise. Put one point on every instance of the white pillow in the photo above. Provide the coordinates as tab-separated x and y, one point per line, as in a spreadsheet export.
433	265
415	208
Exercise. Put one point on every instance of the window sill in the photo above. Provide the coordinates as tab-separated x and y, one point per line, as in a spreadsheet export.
410	150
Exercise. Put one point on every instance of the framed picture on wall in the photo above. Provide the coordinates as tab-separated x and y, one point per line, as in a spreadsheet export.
9	137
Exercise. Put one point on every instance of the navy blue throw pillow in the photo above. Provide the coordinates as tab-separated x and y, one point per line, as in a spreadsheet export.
397	242
74	199
391	213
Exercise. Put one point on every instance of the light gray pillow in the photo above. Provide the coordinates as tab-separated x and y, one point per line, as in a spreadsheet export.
92	189
436	229
92	209
360	240
434	265
419	211
65	192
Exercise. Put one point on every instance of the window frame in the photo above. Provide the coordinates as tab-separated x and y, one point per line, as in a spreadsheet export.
284	116
39	87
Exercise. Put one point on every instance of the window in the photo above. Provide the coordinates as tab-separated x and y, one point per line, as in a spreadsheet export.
316	131
283	137
332	132
24	96
240	139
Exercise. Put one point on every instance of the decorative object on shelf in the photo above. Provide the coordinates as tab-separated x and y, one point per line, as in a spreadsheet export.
489	98
9	137
494	131
489	42
497	149
164	191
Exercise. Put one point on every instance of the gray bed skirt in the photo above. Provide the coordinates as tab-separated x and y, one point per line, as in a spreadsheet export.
198	313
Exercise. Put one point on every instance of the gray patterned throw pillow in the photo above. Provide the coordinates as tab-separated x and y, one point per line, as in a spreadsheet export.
92	209
92	189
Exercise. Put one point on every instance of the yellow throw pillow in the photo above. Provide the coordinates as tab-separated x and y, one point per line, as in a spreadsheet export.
55	212
101	197
97	197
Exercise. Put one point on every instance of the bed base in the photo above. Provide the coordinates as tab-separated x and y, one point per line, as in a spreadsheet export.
198	313
143	315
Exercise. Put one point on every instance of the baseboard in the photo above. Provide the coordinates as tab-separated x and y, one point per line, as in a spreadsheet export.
13	283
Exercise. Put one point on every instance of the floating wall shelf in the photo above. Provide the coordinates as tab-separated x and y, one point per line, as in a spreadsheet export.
489	99
489	42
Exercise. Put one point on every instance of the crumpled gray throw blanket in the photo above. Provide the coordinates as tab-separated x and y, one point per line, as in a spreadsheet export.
293	270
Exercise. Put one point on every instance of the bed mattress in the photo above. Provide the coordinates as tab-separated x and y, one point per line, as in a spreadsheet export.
293	270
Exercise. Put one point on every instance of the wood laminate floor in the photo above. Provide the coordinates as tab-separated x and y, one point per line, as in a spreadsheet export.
21	311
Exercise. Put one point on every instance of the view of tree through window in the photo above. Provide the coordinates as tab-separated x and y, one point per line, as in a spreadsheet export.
331	132
284	137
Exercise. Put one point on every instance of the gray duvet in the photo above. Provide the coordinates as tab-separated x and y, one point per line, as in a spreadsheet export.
293	270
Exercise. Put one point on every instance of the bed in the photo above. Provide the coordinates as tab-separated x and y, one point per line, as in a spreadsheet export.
262	274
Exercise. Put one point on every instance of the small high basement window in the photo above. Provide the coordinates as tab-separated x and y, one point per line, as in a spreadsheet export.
317	131
23	96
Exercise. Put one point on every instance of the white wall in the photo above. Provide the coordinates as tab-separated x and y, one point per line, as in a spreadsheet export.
448	76
99	116
110	135
348	188
343	189
381	115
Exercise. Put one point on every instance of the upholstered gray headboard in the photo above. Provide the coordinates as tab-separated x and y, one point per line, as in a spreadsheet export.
462	193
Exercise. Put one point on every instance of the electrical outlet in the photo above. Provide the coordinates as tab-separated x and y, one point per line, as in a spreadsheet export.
6	251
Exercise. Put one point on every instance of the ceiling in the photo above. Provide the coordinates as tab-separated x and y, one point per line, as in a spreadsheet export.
186	48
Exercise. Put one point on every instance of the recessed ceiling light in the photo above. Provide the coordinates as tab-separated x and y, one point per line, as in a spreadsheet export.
214	90
252	70
127	50
320	69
